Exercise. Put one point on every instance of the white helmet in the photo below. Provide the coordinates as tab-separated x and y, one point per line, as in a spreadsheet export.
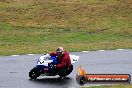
60	51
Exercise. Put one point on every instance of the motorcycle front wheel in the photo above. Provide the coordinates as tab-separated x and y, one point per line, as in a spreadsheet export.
34	73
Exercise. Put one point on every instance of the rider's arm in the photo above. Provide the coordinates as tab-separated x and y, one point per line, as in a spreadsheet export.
61	65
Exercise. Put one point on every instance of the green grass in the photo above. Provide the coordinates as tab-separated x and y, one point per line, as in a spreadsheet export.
42	25
112	86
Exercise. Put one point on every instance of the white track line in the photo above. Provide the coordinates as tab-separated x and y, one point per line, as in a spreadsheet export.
100	50
30	54
14	55
82	51
120	49
85	51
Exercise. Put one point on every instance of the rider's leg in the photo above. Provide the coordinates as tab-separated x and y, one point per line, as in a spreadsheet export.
62	72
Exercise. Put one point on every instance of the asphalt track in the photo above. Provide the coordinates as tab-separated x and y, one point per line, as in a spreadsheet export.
14	69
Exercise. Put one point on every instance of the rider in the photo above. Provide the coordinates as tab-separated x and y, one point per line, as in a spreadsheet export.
64	60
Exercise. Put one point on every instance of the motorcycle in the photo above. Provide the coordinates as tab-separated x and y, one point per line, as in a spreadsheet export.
45	66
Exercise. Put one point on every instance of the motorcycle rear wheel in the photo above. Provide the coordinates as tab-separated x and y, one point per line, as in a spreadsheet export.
66	71
69	70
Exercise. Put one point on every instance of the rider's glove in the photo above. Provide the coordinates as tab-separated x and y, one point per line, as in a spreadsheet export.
55	66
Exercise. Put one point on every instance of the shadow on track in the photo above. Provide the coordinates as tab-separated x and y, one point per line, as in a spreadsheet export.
53	81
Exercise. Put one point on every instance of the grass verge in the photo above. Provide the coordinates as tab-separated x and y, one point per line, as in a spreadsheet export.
40	26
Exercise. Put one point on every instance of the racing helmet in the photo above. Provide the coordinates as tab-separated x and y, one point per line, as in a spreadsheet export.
60	51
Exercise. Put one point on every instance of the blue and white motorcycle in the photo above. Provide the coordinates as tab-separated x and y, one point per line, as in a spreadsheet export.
45	66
